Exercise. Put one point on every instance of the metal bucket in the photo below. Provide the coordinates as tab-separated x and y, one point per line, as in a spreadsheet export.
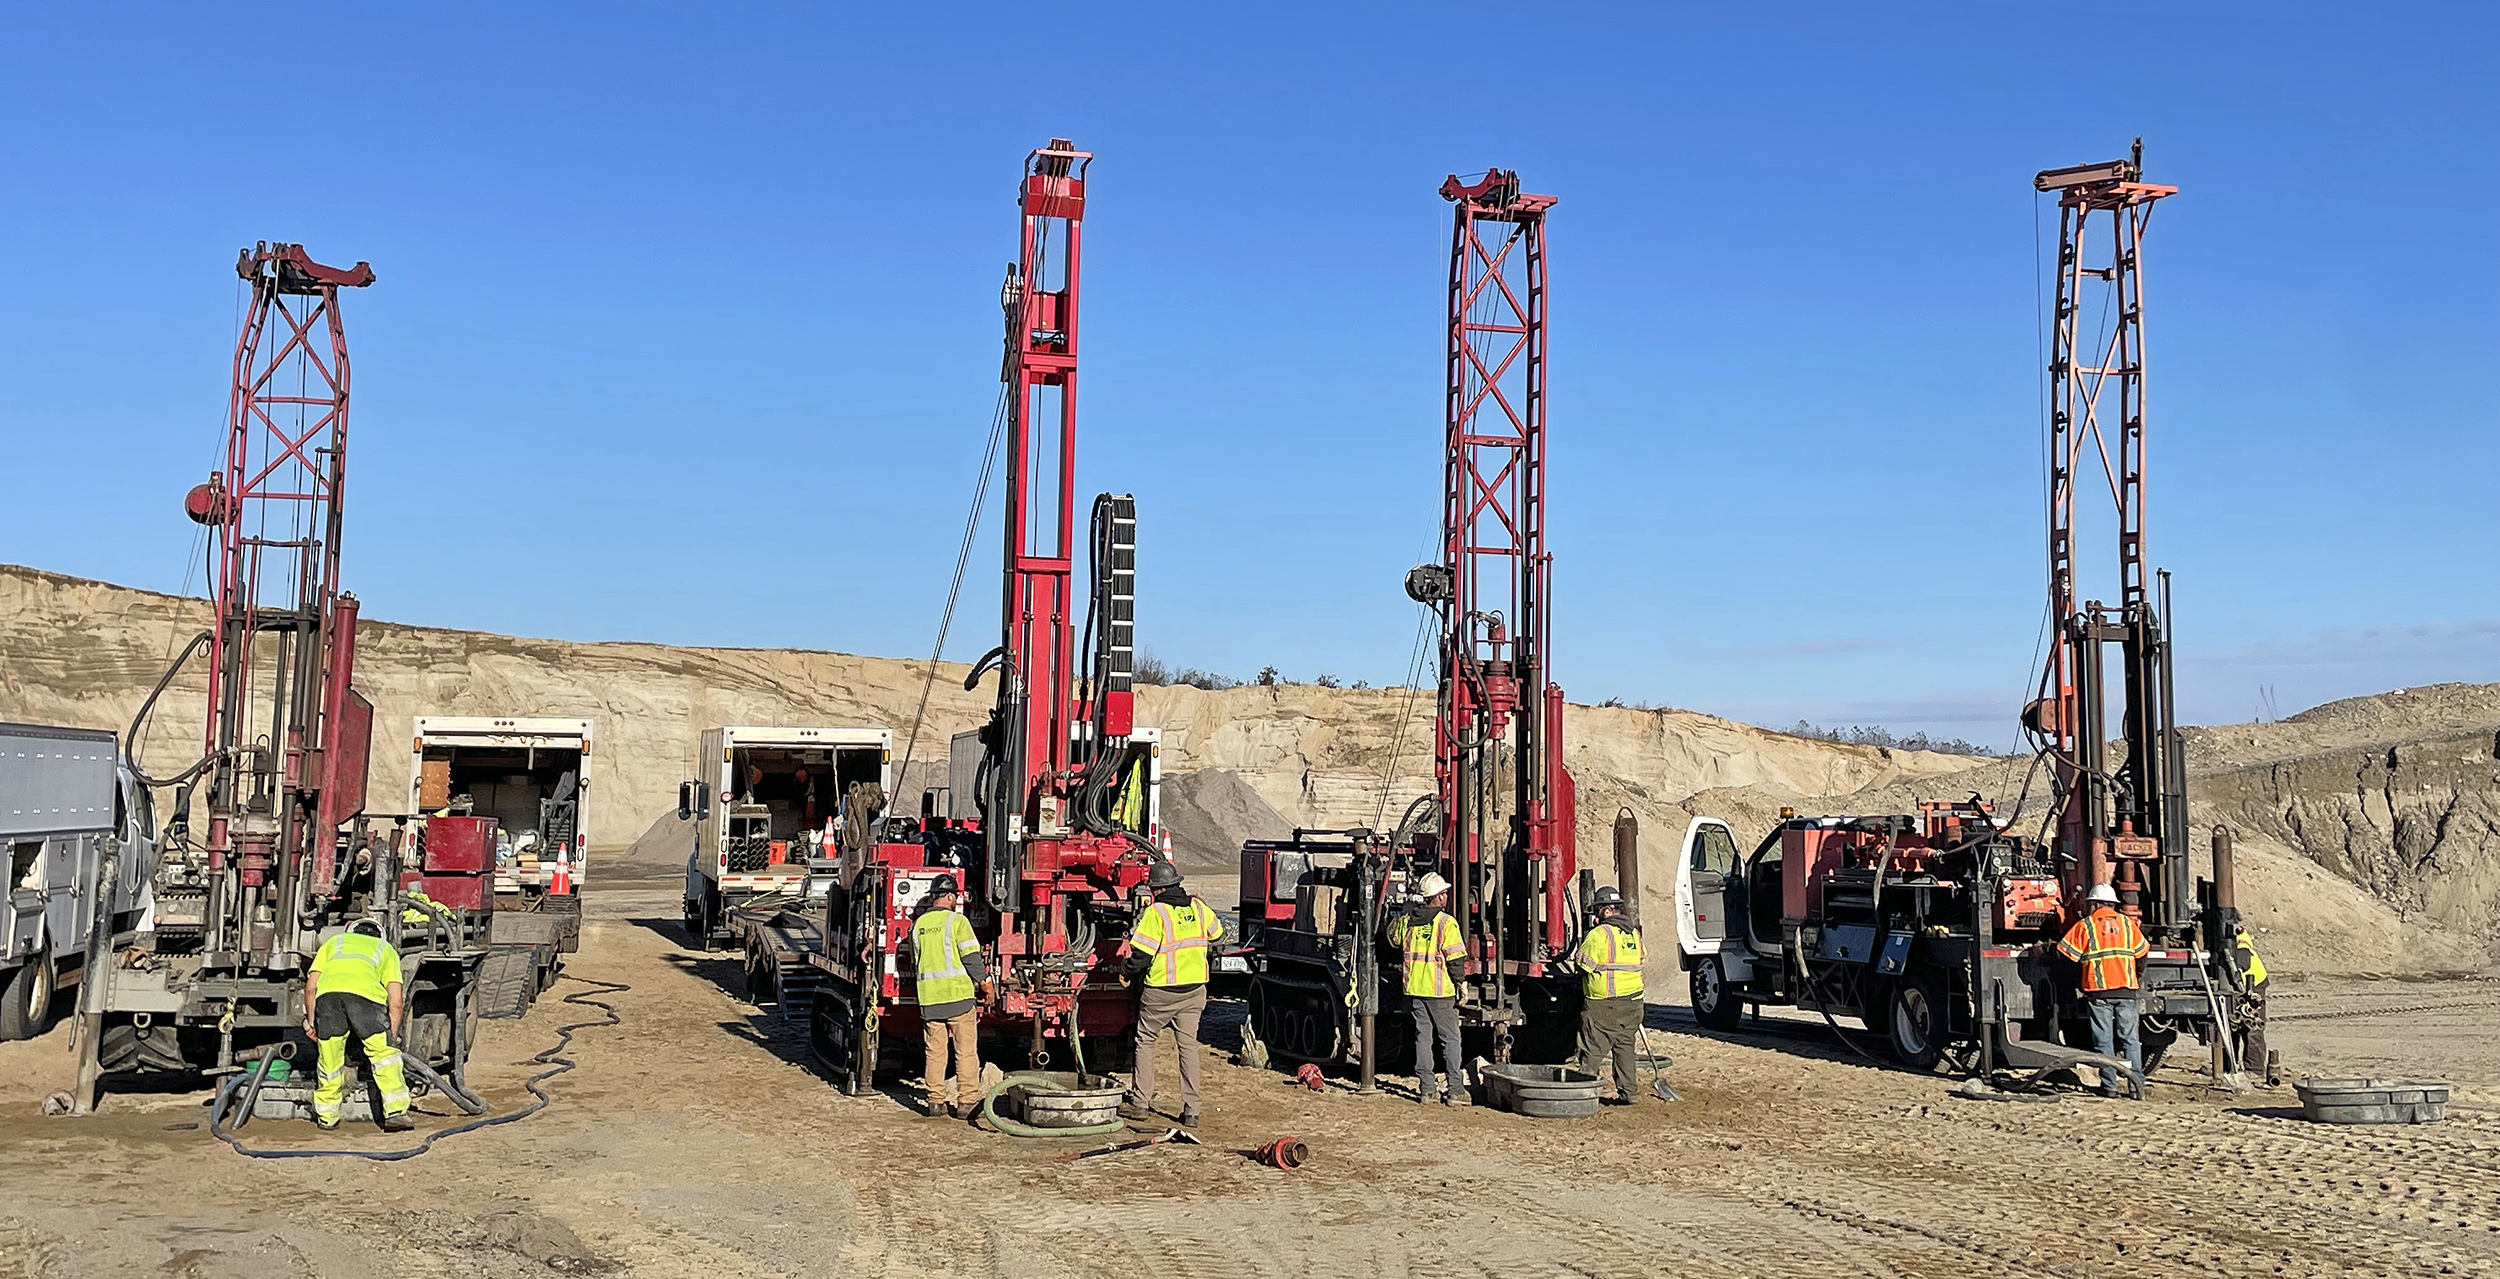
2372	1101
1065	1099
1539	1092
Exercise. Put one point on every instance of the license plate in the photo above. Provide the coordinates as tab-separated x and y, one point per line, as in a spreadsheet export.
1231	964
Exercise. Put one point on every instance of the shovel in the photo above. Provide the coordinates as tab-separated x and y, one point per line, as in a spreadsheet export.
1658	1085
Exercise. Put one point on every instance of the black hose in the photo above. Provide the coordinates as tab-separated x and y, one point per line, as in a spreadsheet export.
466	1100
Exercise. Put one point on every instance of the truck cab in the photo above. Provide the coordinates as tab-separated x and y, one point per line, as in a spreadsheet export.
1727	918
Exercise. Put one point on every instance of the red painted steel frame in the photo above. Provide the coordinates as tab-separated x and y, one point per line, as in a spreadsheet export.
2093	393
276	507
1496	654
1058	866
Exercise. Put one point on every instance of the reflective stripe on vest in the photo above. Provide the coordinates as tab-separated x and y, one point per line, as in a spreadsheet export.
1429	949
2107	944
1610	963
939	941
352	964
1177	937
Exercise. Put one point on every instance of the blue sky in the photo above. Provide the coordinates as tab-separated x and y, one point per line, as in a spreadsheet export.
686	325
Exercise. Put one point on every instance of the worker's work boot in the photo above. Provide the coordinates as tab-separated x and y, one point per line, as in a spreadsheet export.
1614	1101
1452	1099
1189	1116
398	1123
1136	1111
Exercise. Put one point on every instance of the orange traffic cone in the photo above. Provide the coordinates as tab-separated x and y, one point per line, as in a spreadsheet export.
563	882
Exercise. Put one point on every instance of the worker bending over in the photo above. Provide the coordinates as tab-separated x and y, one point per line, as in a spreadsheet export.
1169	949
1611	1006
1436	957
355	988
948	972
2107	944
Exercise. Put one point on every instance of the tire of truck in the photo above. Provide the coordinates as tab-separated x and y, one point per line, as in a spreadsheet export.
26	999
698	924
1715	1002
1914	1022
506	983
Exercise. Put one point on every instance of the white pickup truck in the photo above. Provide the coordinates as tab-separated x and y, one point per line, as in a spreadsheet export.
67	805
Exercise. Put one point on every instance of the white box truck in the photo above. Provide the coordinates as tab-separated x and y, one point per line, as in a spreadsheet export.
532	775
68	805
761	802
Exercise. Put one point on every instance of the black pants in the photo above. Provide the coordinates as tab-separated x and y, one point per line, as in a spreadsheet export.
1607	1029
1436	1019
355	1016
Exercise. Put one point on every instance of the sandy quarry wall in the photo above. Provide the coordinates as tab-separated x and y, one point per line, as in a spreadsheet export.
2371	827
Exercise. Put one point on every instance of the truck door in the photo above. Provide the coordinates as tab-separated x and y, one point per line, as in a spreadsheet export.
1701	877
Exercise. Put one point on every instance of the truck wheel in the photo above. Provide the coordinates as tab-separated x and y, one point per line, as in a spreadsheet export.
1715	1003
26	999
1915	1023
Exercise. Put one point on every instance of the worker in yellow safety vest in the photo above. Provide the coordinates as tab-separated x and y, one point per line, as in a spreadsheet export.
2107	944
2252	1021
355	988
949	972
1611	1003
1435	958
1168	948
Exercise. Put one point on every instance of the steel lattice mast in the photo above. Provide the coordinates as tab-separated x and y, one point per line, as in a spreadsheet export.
1507	821
287	735
2122	822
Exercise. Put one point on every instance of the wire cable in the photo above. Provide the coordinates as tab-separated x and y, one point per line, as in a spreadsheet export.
553	1056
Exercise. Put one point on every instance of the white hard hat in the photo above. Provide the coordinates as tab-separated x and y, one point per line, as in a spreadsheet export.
1431	885
2102	893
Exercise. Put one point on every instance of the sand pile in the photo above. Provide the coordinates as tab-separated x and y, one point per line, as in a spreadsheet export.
1210	813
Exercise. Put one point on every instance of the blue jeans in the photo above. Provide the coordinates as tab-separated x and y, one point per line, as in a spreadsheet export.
2113	1032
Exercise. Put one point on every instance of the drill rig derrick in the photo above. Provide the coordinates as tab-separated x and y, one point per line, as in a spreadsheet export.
1061	831
2122	814
1053	868
282	859
1507	820
1501	823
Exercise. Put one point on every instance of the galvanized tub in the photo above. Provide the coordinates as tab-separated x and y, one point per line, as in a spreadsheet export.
1063	1099
2372	1101
1539	1092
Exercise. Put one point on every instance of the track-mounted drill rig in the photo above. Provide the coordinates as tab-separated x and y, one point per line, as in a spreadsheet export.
1501	823
1060	830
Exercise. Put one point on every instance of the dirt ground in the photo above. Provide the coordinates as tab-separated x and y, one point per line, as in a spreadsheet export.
695	1141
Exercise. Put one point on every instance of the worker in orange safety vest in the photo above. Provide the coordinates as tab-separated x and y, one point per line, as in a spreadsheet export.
2107	944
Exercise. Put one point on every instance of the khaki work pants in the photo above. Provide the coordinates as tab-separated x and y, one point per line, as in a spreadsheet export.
965	1033
1158	1010
1608	1029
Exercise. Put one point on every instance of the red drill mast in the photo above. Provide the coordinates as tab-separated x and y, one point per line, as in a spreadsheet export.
287	734
1052	852
1507	820
2121	821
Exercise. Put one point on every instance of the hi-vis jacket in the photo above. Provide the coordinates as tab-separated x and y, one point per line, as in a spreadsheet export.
1177	937
1610	962
1431	946
939	941
2107	944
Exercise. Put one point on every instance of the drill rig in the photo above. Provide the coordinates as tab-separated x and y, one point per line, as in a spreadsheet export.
1501	825
1061	832
1934	928
285	857
2121	817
